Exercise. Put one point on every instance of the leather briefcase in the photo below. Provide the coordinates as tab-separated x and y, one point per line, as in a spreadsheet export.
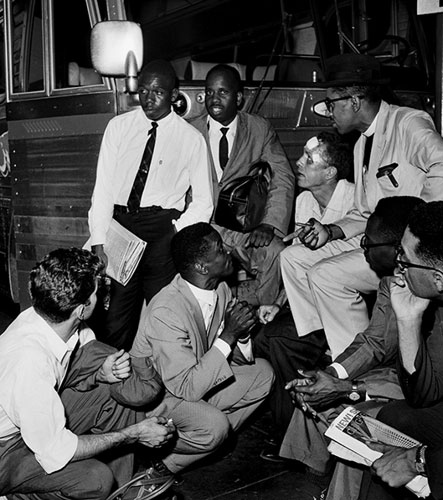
242	202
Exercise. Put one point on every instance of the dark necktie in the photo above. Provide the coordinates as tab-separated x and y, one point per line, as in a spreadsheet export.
223	148
367	152
142	174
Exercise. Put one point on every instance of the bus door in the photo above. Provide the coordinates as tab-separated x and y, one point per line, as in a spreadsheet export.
56	111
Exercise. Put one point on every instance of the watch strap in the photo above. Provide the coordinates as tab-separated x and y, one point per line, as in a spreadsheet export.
420	460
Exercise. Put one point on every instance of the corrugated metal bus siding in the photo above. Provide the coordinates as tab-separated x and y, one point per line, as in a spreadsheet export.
53	163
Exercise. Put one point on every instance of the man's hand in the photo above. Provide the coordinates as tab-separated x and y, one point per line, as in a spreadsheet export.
100	252
405	304
154	431
240	317
313	234
316	237
317	388
261	236
115	368
397	465
267	313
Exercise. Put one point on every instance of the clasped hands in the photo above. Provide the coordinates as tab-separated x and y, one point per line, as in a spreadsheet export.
317	388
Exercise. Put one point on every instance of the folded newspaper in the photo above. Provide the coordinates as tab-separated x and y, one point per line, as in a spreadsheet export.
124	250
349	433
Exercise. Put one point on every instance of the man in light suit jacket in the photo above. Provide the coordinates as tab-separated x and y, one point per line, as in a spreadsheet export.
324	278
198	339
250	139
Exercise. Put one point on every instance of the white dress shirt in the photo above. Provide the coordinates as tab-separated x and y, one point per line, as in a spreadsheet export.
214	140
33	364
207	300
341	202
179	162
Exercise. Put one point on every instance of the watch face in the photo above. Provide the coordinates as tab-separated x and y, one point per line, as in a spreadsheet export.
354	396
420	468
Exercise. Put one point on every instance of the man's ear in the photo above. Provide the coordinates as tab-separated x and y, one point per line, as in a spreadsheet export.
356	103
438	281
174	95
201	268
331	172
79	311
239	98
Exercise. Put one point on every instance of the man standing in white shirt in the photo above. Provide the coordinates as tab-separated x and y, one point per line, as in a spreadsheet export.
49	431
150	159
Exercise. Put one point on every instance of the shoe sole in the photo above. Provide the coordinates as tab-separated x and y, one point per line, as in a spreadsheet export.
120	493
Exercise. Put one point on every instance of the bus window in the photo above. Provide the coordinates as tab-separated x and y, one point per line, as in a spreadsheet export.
72	28
27	51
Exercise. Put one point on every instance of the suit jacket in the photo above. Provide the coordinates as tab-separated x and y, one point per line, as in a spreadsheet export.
372	355
172	332
256	140
377	347
405	136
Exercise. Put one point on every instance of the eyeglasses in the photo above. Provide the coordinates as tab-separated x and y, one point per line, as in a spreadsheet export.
365	245
403	266
326	106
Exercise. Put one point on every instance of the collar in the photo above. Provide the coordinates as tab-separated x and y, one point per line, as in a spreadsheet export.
161	123
208	297
215	125
58	346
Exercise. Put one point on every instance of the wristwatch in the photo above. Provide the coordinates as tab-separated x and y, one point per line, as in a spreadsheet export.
420	462
354	395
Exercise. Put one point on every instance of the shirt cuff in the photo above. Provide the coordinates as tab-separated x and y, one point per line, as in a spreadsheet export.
341	372
60	453
246	350
222	346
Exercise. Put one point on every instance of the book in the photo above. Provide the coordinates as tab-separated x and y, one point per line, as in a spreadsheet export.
124	251
349	433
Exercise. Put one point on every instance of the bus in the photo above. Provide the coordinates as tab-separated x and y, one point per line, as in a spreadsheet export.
54	106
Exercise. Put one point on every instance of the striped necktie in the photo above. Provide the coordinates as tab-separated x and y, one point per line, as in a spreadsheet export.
142	174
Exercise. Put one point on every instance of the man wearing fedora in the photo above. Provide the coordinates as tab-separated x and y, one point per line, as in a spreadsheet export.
398	153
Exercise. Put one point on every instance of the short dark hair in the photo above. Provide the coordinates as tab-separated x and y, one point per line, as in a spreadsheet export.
160	67
190	245
394	213
63	280
426	224
231	71
339	153
372	93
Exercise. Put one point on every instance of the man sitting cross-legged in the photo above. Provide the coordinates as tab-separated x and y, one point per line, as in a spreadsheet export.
198	338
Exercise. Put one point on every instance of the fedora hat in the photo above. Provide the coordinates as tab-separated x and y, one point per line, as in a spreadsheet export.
353	69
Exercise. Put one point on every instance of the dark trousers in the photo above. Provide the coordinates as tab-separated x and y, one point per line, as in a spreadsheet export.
22	477
423	424
279	343
155	270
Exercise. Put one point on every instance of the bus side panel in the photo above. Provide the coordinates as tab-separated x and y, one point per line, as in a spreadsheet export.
53	165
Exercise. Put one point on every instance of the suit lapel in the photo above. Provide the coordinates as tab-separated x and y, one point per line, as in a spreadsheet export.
201	336
236	147
219	314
